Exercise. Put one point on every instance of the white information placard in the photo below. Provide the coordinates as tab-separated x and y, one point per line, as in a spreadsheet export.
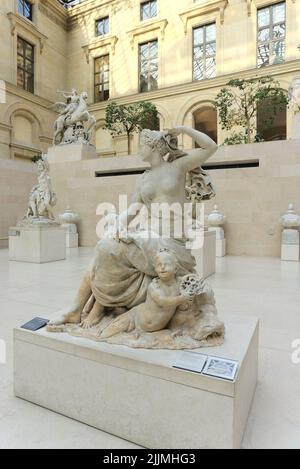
220	368
190	361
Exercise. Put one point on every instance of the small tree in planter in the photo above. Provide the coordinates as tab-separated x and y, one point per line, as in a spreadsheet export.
239	101
130	118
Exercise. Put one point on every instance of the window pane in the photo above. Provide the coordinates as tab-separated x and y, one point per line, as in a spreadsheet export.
271	45
29	82
20	61
278	52
210	49
198	36
27	10
20	78
263	55
101	78
279	31
264	35
20	46
263	17
20	7
29	66
210	32
198	70
102	26
29	52
25	65
199	52
210	67
204	52
148	10
148	59
278	13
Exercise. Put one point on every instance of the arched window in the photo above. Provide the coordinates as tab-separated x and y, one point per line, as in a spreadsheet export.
23	131
268	127
206	121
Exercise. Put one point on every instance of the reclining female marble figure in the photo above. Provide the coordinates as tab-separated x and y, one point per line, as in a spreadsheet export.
122	268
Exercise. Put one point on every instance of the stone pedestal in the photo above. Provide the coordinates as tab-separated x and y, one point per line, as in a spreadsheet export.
71	240
220	240
136	394
71	152
206	256
296	126
290	245
37	244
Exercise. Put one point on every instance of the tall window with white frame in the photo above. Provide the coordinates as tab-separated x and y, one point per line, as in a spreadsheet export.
101	78
102	26
25	9
148	10
271	35
148	65
204	52
25	65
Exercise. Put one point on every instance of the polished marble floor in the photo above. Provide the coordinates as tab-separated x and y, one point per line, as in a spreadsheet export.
261	287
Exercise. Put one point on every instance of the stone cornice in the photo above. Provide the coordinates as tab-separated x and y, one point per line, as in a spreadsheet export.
203	9
86	8
54	11
18	22
211	83
258	3
26	96
146	27
98	43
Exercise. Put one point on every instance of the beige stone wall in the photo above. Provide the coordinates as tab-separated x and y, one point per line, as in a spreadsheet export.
252	198
16	179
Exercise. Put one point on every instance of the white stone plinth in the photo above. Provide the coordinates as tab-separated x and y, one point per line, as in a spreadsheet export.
220	247
218	230
71	152
296	126
37	244
135	393
290	252
71	240
220	240
206	256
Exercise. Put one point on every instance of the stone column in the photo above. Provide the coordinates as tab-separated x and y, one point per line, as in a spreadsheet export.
290	235
216	220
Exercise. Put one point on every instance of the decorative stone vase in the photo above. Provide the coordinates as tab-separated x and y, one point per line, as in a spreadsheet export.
290	219
215	218
68	216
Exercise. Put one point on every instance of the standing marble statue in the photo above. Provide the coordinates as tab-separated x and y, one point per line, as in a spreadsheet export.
294	95
41	198
294	104
142	289
69	127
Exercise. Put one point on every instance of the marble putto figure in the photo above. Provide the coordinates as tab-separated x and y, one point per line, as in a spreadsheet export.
42	198
142	289
69	127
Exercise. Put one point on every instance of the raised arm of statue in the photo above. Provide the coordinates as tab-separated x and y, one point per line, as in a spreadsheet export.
197	157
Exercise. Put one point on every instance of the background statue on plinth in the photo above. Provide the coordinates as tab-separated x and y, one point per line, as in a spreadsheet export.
69	127
42	198
142	289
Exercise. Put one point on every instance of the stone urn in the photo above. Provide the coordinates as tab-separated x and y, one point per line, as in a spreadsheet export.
215	218
68	216
290	219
